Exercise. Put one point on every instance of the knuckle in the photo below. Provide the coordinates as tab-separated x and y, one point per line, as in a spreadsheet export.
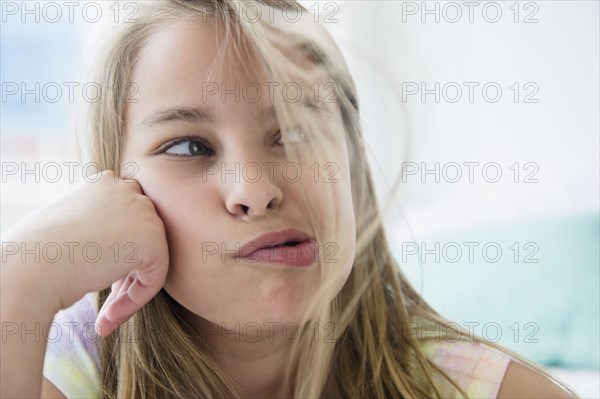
133	185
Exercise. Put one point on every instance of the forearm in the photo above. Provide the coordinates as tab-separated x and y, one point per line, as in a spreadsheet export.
26	313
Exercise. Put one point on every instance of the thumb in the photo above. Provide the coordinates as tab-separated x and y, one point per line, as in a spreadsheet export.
127	296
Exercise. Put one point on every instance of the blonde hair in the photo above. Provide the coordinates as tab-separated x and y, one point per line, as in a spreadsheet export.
371	355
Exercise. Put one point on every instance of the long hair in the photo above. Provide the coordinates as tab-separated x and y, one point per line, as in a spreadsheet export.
371	351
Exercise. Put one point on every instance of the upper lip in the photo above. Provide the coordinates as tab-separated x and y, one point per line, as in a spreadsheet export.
271	239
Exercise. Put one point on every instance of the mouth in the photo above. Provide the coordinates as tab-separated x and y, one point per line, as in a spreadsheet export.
291	246
285	244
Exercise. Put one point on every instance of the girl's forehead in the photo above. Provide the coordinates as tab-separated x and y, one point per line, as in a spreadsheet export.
195	41
190	48
179	66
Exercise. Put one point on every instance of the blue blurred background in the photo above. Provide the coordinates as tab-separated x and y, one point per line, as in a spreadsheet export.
541	294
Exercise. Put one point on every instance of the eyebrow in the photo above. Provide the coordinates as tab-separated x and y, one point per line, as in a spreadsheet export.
195	115
186	114
205	115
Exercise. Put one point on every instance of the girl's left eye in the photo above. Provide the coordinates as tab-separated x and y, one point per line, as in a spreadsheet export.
279	139
294	135
189	147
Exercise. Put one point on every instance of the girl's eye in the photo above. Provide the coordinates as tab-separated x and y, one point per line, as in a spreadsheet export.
294	135
279	139
189	147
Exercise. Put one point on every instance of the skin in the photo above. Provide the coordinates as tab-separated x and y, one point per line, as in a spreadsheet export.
520	381
34	291
200	209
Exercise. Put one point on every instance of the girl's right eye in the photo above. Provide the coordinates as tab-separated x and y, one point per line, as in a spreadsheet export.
188	147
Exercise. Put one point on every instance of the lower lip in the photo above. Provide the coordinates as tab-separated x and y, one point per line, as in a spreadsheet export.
301	255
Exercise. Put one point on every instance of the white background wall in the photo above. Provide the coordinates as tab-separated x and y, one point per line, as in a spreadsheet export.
389	48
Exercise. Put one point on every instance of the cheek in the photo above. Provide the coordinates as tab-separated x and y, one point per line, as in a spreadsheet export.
194	215
347	228
197	278
331	201
182	204
190	213
188	207
346	217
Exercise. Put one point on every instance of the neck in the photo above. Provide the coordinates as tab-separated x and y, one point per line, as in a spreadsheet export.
256	361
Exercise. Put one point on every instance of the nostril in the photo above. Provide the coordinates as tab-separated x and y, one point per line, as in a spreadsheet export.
272	204
245	209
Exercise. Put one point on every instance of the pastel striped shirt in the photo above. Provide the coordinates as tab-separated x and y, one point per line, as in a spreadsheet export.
477	368
72	360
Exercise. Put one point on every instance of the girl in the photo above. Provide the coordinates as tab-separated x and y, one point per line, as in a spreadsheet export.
247	253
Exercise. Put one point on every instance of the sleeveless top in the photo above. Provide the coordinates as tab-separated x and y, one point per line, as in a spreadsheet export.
72	361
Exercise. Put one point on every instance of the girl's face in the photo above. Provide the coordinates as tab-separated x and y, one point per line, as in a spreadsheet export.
210	157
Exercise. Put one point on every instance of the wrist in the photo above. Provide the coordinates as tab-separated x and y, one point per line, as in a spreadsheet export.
28	288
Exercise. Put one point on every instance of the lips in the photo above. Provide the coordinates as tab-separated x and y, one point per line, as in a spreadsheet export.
287	237
292	247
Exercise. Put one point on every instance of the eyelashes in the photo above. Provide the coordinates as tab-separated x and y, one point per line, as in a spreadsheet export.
188	147
193	146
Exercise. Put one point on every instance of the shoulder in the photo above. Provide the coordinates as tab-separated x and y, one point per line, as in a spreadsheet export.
71	362
521	381
477	368
486	372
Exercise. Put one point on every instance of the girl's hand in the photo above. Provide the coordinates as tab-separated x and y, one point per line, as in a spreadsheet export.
124	240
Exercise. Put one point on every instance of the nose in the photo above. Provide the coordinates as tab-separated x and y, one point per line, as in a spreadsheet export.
252	197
